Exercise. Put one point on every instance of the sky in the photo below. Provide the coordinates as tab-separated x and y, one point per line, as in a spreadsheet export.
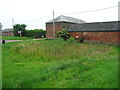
35	13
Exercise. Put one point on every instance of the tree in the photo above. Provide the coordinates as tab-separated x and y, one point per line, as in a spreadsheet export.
63	34
19	27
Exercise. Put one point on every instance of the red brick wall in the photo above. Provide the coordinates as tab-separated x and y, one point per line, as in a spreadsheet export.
93	36
98	36
49	29
7	34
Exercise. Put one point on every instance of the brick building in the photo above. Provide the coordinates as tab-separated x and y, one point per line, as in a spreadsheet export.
7	32
97	31
61	22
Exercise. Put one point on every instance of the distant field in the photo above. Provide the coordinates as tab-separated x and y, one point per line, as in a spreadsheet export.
14	38
59	64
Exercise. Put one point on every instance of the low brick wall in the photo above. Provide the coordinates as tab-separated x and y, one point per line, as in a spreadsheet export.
99	36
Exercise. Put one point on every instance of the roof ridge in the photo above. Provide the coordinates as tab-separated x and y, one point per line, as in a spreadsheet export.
62	18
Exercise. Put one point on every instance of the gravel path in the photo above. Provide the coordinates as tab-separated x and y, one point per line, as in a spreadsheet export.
20	40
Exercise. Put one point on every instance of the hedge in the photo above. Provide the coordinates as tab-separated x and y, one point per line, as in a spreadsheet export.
35	33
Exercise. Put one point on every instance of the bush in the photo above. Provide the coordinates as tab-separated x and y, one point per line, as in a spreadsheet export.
81	39
71	40
63	34
35	33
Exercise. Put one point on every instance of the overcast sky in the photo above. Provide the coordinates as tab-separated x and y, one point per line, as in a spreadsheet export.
35	13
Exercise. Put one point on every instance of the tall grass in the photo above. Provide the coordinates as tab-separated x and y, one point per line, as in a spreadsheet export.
59	64
59	50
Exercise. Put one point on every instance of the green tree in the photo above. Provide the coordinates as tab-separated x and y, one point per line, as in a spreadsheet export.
63	34
19	27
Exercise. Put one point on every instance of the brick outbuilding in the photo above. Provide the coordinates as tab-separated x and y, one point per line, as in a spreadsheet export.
61	22
7	32
97	31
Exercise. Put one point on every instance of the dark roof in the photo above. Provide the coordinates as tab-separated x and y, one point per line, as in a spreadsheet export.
8	30
97	26
66	19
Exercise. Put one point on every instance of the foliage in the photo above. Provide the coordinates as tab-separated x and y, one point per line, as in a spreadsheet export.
63	34
35	33
71	40
19	27
81	39
58	64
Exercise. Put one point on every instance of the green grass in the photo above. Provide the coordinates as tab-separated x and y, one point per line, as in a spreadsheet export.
59	64
15	38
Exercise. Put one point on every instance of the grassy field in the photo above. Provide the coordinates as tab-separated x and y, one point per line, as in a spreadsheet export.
14	38
59	64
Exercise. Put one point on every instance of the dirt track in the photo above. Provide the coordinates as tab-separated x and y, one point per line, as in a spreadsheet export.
19	40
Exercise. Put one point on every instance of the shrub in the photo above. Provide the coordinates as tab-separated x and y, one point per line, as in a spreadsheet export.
71	40
63	34
35	33
81	39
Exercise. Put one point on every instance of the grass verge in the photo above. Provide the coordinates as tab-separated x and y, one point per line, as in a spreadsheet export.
59	64
14	38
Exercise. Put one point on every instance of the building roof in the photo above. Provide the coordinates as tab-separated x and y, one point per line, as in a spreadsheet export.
7	30
66	19
94	27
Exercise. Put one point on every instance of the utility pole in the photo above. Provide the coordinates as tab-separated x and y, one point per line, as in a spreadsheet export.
12	21
12	25
53	25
